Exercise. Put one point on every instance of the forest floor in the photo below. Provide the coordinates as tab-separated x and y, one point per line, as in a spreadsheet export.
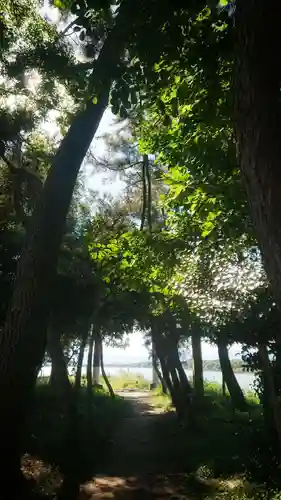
147	461
140	464
149	455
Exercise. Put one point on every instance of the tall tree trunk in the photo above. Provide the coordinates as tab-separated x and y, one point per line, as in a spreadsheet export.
80	359
160	376
198	379
144	195
163	363
271	392
234	388
155	371
97	359
173	373
23	341
59	374
223	385
105	377
257	116
149	193
166	374
185	385
90	361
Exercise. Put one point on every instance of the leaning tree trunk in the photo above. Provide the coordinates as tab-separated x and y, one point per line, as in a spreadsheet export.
257	117
155	371
198	379
59	374
105	377
159	349
90	361
173	373
80	359
234	388
97	359
22	342
161	378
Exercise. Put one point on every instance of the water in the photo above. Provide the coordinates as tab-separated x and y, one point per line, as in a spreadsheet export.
245	380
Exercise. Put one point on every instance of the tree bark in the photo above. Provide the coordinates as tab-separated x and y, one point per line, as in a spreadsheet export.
198	379
23	341
59	374
257	117
149	193
144	195
155	371
234	388
173	373
80	360
105	377
223	386
270	392
90	361
161	356
97	359
161	377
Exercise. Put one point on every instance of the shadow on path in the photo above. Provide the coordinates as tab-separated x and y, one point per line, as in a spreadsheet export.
140	445
140	464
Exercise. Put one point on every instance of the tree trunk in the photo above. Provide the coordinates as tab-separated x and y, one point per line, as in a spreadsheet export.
144	195
198	379
23	341
155	371
80	360
166	374
173	373
223	386
90	361
185	385
257	116
270	391
163	363
97	360
105	377
149	194
234	388
160	377
59	374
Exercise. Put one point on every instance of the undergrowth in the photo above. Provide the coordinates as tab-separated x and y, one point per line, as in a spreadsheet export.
68	439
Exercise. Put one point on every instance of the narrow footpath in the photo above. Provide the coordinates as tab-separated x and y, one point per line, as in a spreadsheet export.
143	462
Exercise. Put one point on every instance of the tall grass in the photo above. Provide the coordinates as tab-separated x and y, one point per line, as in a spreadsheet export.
128	380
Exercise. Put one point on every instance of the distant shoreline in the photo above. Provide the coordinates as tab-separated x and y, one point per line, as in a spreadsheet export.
208	365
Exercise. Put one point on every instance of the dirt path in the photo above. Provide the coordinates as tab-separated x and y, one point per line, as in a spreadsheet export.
143	462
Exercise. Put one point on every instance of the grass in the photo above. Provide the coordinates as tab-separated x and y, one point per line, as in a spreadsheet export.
128	380
121	381
160	400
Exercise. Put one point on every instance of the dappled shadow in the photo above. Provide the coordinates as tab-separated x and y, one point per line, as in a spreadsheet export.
56	448
149	449
167	486
137	488
139	445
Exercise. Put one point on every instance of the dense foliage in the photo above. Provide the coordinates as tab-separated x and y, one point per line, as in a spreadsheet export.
180	255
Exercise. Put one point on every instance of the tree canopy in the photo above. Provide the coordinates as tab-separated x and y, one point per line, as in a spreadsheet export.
189	251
